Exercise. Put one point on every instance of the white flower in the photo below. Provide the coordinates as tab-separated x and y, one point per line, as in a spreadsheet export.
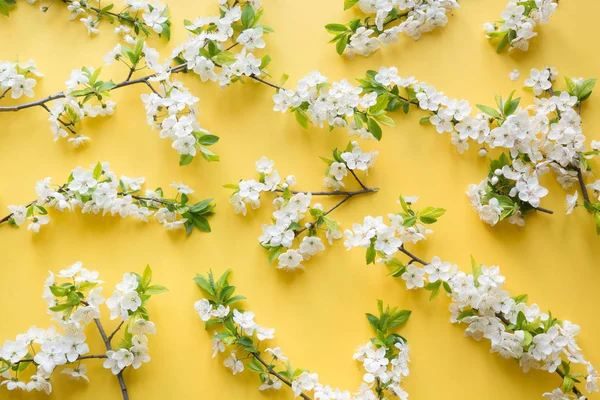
234	364
439	270
514	75
204	309
181	188
19	214
251	39
143	327
37	222
290	260
305	382
245	320
571	202
264	165
414	277
538	81
277	354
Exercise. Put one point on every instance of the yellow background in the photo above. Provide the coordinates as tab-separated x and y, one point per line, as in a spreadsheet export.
318	314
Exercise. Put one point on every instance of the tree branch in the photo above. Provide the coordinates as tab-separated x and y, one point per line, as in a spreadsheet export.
112	335
500	316
108	346
584	191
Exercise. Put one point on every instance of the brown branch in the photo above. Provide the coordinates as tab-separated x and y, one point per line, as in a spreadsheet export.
80	358
586	195
61	95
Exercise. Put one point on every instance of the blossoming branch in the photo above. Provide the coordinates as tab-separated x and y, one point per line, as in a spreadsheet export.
98	190
515	330
518	21
170	107
74	298
385	357
415	17
291	206
137	19
546	135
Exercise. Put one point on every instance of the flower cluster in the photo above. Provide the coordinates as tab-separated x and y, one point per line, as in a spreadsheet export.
292	207
86	96
16	77
137	19
209	47
74	304
364	37
385	357
98	191
405	227
519	19
515	330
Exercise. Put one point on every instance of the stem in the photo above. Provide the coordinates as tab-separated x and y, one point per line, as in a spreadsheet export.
140	198
4	93
586	195
544	210
271	371
108	346
500	316
93	356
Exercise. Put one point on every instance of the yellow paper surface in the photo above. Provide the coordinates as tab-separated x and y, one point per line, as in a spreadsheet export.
318	314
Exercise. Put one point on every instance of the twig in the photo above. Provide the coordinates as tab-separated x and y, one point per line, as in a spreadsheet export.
80	358
112	335
271	371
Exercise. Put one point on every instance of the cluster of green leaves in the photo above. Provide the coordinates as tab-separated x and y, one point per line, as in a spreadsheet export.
389	99
583	90
95	87
4	6
505	108
343	32
410	217
125	17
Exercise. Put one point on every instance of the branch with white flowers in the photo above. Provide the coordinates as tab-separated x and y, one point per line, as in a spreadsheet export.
518	21
137	19
74	302
291	205
385	357
98	190
412	17
515	330
170	107
546	135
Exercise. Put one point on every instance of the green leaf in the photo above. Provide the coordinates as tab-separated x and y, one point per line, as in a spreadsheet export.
585	90
341	44
185	159
201	223
349	4
302	118
247	16
374	128
156	289
146	276
373	321
476	270
97	171
203	283
371	253
59	291
336	28
489	111
208	140
274	252
398	318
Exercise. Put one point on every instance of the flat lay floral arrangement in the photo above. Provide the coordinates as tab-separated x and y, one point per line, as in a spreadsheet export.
290	164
